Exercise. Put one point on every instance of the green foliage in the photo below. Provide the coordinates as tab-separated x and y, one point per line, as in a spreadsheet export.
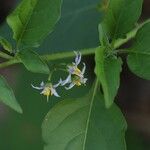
93	122
5	44
7	96
84	124
108	72
104	41
33	20
121	16
139	57
33	62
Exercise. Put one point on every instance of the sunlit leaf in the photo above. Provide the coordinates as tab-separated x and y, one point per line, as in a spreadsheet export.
33	20
7	96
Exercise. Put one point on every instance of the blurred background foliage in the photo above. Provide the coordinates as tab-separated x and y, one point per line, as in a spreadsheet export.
76	29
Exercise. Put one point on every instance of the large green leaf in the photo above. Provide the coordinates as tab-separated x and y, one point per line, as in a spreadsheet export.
139	57
7	96
121	17
108	72
73	31
84	124
33	62
33	20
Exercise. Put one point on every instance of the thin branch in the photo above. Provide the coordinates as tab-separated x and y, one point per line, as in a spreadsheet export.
130	35
63	55
9	63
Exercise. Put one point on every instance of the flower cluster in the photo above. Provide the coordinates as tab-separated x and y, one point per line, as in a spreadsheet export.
75	77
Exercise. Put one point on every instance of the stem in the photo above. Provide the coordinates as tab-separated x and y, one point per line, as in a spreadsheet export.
50	57
4	55
54	70
50	75
9	63
64	55
123	51
130	35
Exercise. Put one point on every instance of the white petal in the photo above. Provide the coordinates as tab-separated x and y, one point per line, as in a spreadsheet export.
36	87
79	59
76	58
42	91
67	80
70	86
85	80
83	70
56	85
73	63
54	92
42	84
71	69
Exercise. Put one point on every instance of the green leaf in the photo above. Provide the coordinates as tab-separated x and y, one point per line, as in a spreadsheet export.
121	17
7	96
33	62
33	20
5	44
108	72
102	36
84	124
73	35
139	57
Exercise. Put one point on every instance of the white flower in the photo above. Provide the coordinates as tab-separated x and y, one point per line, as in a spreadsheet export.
48	89
78	81
76	76
73	69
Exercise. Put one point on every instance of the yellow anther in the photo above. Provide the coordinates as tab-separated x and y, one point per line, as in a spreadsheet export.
47	91
77	72
77	82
